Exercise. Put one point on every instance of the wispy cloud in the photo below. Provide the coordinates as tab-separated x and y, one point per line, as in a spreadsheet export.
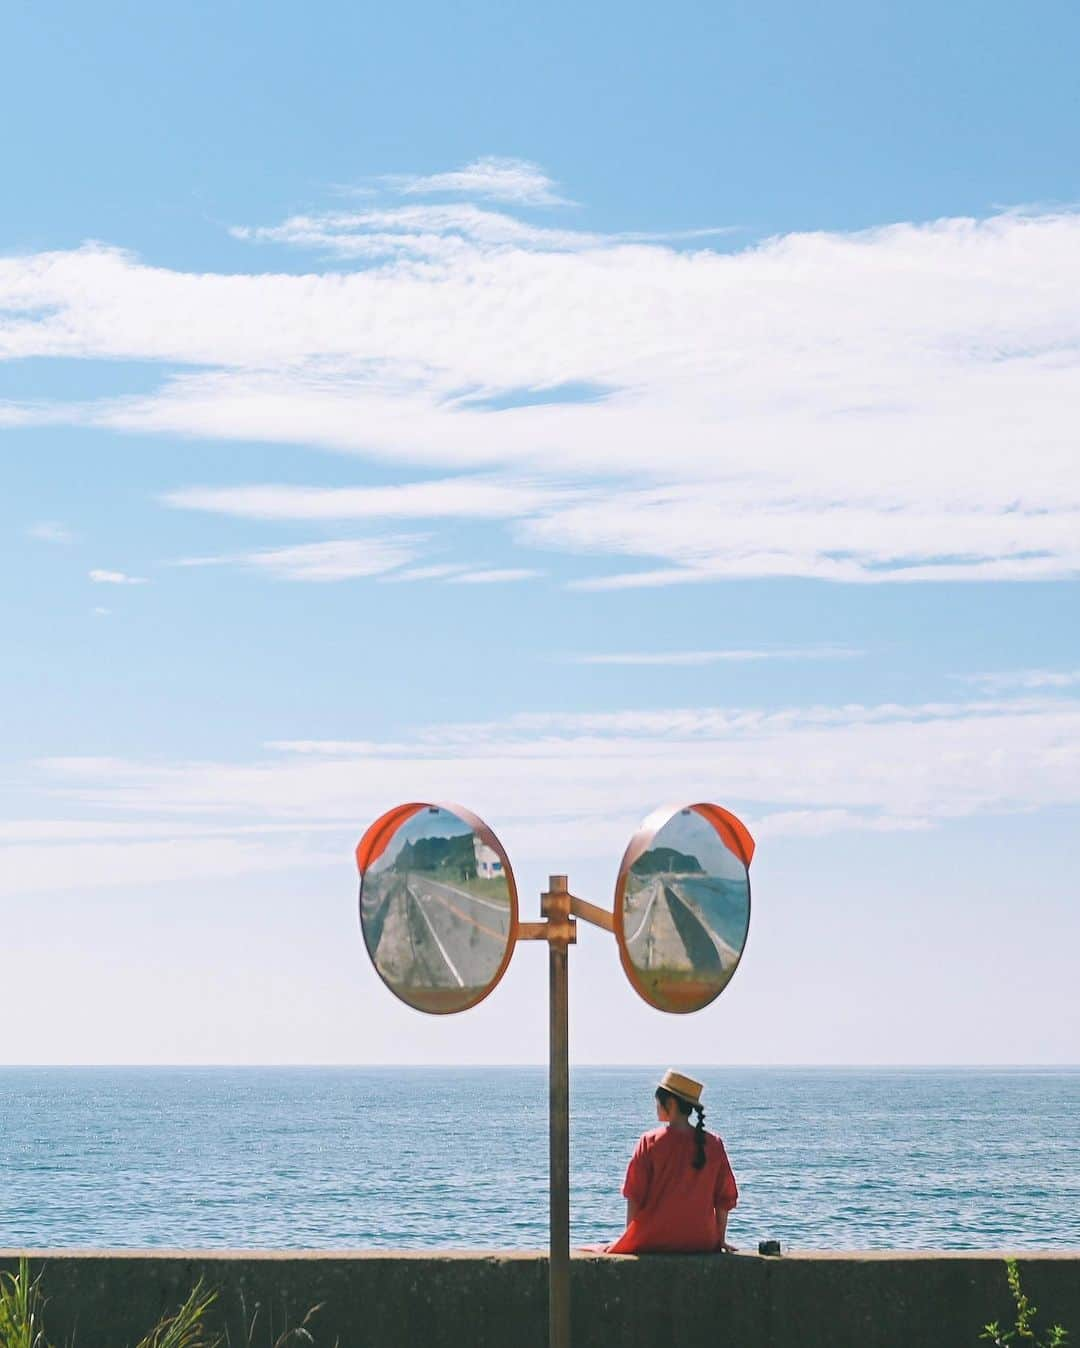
450	234
433	571
494	177
1010	680
388	559
332	560
50	531
446	233
694	658
650	579
818	405
115	578
580	781
461	497
819	823
496	575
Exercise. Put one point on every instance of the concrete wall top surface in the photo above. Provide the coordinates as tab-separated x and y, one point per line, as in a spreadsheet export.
510	1256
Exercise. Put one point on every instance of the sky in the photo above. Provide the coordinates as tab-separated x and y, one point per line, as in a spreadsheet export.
559	411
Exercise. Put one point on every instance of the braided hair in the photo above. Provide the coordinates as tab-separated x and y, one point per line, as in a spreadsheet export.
699	1138
685	1108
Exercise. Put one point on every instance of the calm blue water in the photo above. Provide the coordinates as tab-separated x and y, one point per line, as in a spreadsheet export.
456	1158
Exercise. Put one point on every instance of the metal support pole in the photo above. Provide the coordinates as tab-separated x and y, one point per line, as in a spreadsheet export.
559	1127
561	933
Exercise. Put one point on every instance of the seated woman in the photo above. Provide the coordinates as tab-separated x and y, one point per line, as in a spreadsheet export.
679	1187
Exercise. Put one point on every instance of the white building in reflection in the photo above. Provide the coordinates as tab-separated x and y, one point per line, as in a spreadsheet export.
488	863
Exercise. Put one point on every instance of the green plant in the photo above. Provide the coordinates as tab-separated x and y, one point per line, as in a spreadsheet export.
296	1337
1024	1328
21	1306
187	1327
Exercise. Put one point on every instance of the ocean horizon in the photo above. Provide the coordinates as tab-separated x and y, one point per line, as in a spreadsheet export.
436	1157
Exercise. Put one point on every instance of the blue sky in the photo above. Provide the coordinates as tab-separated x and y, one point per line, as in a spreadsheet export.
562	413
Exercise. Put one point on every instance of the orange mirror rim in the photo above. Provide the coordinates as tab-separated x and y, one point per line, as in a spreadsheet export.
375	842
736	838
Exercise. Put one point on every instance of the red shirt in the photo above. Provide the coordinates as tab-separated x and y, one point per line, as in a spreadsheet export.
676	1204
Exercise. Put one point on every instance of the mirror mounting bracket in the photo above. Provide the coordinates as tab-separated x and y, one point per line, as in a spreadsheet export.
589	912
532	931
560	908
555	905
558	928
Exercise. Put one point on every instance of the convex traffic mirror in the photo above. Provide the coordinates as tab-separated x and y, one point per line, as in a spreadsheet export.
682	905
438	907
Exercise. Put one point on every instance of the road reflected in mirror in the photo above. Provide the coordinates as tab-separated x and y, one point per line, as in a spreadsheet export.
437	906
683	906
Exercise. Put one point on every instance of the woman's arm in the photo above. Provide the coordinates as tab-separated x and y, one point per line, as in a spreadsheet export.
638	1176
725	1197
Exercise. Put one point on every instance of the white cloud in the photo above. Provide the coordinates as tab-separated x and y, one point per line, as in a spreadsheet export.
106	864
448	234
885	406
572	785
436	571
492	176
20	832
713	533
50	531
694	658
494	575
819	823
99	612
334	559
1025	679
460	497
115	578
49	854
884	763
644	580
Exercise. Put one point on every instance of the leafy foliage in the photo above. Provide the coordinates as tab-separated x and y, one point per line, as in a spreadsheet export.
456	856
187	1327
1024	1329
21	1307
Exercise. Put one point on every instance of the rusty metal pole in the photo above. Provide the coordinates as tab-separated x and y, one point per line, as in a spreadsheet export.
561	934
559	1128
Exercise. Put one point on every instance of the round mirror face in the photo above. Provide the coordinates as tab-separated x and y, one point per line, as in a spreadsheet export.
438	907
682	905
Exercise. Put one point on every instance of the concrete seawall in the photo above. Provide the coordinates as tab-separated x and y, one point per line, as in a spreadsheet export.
894	1300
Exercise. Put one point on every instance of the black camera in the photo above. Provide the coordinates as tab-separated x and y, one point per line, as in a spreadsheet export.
768	1247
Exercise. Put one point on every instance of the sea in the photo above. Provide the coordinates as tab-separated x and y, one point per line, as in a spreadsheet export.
456	1158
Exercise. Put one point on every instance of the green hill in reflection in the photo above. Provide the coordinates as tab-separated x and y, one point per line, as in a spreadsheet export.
668	861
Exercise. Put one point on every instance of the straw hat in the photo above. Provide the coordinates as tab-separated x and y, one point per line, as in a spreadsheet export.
686	1088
